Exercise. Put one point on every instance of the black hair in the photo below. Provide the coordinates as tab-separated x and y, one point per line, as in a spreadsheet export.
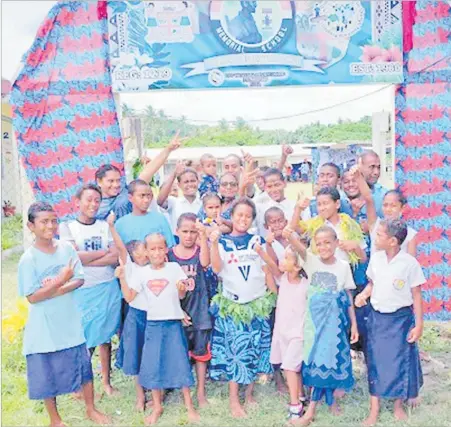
36	208
302	272
273	171
264	168
329	191
86	187
236	157
247	202
274	210
104	169
188	170
333	166
396	228
208	196
402	199
132	245
326	229
187	216
136	183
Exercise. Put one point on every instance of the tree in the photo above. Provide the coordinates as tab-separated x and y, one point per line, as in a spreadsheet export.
127	110
223	125
240	124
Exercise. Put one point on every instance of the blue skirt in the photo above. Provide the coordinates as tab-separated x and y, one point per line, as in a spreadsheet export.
240	352
100	308
132	342
61	372
394	369
165	363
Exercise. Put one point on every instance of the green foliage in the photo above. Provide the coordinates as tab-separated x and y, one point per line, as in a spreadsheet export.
11	232
159	129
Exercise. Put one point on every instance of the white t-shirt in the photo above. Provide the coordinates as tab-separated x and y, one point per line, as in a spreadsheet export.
132	270
262	198
336	276
411	233
287	206
160	287
393	281
88	238
243	279
279	250
180	205
340	253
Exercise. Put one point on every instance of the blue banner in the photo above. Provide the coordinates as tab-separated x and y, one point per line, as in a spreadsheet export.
209	44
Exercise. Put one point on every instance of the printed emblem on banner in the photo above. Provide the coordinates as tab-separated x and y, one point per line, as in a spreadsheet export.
398	284
157	286
252	26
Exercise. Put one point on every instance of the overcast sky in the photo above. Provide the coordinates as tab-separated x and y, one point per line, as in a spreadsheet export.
21	19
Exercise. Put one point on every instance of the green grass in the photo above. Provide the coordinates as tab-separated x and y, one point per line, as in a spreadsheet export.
11	232
17	410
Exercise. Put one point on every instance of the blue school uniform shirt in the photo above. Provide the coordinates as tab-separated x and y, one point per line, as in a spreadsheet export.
209	184
53	324
378	192
120	205
138	227
359	272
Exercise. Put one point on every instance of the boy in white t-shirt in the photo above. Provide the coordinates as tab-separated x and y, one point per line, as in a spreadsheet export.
395	321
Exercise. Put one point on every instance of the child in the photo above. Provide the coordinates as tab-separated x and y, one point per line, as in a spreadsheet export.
190	201
194	260
392	206
99	299
241	338
328	177
351	245
129	355
209	182
165	363
288	337
275	185
211	214
395	321
58	361
327	365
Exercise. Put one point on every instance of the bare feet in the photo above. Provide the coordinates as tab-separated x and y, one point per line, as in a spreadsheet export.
305	420
399	412
193	416
250	401
414	403
237	410
339	394
110	390
98	417
58	424
154	416
140	405
335	409
202	400
370	421
148	405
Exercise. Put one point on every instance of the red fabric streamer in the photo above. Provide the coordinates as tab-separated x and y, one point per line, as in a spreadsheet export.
408	19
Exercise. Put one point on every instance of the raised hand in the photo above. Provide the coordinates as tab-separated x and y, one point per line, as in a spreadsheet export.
215	235
270	237
348	245
67	272
249	177
111	219
179	167
120	270
201	229
145	160
303	202
288	233
176	142
287	150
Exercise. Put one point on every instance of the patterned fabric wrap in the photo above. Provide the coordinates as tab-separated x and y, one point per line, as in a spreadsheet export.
423	144
64	111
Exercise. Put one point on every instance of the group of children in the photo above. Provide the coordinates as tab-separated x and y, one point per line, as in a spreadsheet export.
238	288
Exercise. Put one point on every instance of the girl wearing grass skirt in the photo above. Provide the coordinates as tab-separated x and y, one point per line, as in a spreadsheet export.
54	345
165	363
241	339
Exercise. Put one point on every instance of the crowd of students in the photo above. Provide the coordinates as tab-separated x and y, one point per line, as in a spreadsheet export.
227	275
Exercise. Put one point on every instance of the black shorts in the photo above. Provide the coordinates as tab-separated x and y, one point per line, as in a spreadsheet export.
199	344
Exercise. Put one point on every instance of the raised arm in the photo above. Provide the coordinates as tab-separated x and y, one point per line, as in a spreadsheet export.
215	256
295	242
273	267
154	165
269	279
301	205
365	192
128	293
166	188
204	255
286	151
122	250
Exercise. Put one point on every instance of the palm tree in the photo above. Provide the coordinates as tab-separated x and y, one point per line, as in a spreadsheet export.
127	110
224	125
150	112
240	123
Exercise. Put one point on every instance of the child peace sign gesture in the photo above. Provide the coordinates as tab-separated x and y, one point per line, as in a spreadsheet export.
67	272
120	270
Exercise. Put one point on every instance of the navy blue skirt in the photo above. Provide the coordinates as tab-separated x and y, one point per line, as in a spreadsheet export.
61	372
165	363
394	369
131	345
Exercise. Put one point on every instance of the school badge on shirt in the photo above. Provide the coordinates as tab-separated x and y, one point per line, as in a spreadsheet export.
157	286
398	284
